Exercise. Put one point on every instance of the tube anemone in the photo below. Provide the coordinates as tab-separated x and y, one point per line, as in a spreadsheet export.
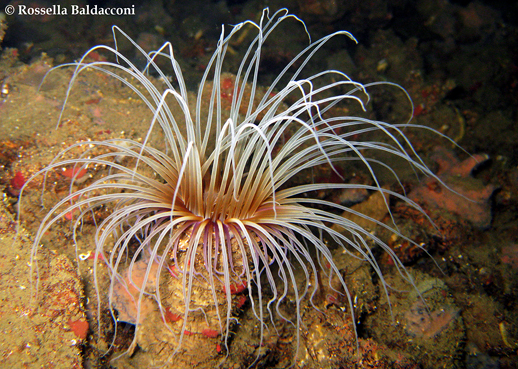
216	211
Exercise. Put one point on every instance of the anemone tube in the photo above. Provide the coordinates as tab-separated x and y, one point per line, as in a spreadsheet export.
216	207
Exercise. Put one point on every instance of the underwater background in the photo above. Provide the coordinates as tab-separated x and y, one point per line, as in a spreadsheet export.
458	60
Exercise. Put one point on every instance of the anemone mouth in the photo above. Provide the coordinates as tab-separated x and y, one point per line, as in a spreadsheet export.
216	211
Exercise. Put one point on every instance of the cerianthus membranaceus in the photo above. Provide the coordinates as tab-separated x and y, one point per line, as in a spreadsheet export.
229	205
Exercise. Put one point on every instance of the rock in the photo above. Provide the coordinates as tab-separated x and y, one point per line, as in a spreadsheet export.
466	196
43	330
